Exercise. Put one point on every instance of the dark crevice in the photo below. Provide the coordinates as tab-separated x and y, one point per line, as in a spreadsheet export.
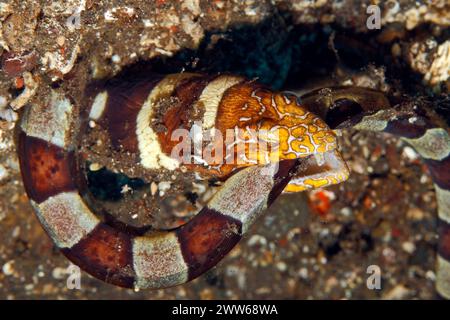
106	185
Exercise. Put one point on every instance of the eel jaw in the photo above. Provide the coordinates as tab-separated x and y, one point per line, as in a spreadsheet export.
317	171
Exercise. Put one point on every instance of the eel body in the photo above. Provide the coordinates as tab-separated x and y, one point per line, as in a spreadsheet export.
289	146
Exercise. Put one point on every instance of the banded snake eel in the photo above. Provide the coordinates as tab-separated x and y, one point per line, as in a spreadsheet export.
307	157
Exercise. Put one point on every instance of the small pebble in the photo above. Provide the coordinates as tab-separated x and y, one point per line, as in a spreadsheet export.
115	58
396	50
95	166
357	166
346	211
303	273
415	214
8	268
16	232
430	275
424	179
163	186
408	247
60	41
206	294
29	287
59	273
389	255
410	153
257	239
153	188
281	266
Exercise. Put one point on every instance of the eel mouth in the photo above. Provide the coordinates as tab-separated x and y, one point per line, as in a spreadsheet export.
318	170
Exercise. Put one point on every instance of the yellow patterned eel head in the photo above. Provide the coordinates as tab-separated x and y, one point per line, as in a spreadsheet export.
301	133
250	125
291	130
304	135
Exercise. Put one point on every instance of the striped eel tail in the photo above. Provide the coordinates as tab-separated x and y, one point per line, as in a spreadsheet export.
365	109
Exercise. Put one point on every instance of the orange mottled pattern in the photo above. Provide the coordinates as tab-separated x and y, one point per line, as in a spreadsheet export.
301	132
273	126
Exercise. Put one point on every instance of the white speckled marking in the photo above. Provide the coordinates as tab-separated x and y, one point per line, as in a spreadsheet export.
212	95
372	122
158	261
443	201
434	144
98	106
50	121
443	277
66	218
257	181
152	156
